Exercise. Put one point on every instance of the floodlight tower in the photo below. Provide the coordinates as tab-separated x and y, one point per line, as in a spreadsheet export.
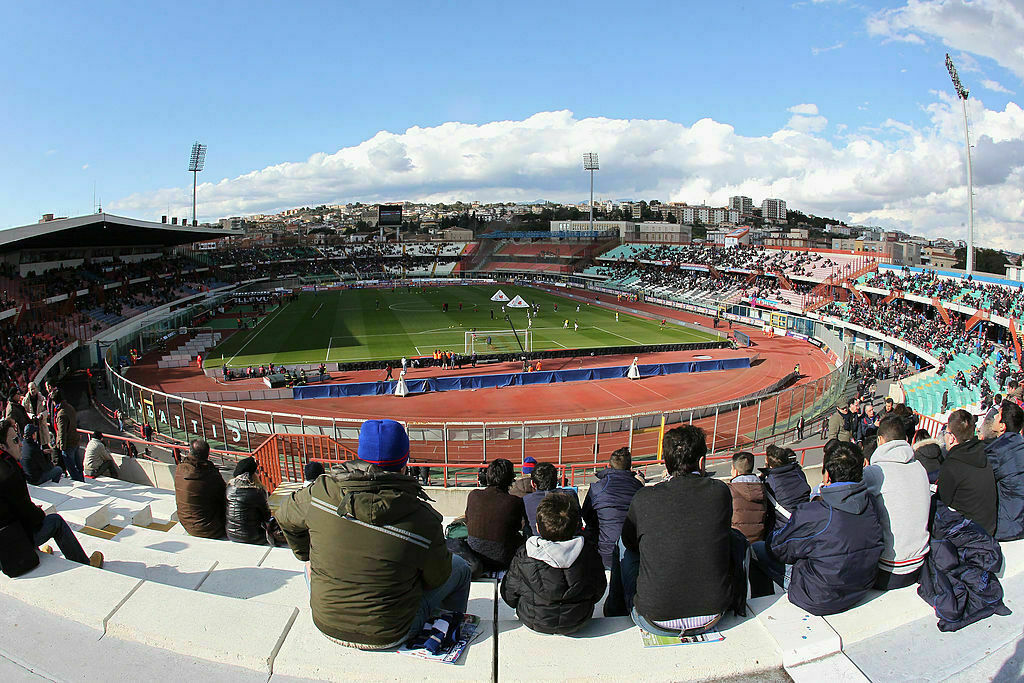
195	165
962	93
590	164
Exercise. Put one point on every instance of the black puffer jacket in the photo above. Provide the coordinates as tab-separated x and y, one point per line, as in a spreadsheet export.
247	511
554	586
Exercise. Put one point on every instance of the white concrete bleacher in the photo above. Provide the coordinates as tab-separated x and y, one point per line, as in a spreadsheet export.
183	355
247	607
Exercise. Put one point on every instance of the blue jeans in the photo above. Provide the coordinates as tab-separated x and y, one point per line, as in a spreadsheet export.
56	528
52	475
74	468
452	595
776	569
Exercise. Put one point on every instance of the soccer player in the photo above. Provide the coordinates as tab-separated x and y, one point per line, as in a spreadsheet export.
575	326
565	325
616	316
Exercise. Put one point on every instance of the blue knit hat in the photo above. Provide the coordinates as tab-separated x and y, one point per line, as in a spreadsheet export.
529	462
384	443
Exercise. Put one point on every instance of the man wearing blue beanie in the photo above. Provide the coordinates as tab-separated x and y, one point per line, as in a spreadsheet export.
378	564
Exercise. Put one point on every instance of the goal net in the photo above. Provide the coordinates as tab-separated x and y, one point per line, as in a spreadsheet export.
499	341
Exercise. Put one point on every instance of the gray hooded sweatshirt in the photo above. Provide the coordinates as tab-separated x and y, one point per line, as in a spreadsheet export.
901	484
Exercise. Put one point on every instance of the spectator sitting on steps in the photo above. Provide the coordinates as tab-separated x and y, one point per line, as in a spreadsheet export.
545	482
833	543
524	484
37	467
98	461
680	563
966	481
785	483
900	484
376	559
16	507
199	491
495	518
248	513
607	502
1006	455
751	514
557	577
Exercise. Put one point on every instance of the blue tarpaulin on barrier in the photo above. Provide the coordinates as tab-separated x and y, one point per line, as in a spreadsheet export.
419	386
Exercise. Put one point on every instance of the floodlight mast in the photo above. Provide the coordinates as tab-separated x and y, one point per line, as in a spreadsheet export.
590	164
195	164
962	93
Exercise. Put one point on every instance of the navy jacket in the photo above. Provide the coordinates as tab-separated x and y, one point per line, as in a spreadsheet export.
532	500
788	486
605	508
34	461
1006	455
958	578
833	543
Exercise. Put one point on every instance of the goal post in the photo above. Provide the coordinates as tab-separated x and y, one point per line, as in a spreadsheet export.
498	341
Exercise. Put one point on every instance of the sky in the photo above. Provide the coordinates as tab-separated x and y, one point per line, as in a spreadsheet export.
842	108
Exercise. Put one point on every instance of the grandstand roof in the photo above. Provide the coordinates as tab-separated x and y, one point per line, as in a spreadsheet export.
105	230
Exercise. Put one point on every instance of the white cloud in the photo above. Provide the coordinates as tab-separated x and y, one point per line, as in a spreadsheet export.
995	86
50	152
990	28
818	50
807	124
811	109
85	167
908	176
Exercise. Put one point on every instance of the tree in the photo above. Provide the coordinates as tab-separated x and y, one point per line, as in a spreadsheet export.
985	260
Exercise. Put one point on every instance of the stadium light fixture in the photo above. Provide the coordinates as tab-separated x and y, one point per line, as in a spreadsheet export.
590	163
195	164
962	94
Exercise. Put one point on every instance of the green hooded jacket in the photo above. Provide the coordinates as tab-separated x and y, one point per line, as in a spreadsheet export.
374	546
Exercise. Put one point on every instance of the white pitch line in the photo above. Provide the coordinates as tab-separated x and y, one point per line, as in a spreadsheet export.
316	311
619	336
330	341
258	332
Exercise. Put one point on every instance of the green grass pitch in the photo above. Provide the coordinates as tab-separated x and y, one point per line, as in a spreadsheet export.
347	326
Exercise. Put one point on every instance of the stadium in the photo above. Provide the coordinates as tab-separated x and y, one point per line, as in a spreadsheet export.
559	348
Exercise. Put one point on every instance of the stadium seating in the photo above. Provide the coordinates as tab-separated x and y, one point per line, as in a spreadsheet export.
247	607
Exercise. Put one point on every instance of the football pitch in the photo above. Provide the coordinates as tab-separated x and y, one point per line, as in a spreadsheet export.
381	324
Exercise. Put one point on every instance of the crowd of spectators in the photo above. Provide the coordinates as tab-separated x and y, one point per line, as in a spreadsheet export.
744	258
1001	300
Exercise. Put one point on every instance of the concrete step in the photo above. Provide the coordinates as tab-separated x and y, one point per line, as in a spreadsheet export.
259	584
81	500
172	569
72	591
835	668
161	502
801	637
86	656
210	627
611	649
225	553
309	654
